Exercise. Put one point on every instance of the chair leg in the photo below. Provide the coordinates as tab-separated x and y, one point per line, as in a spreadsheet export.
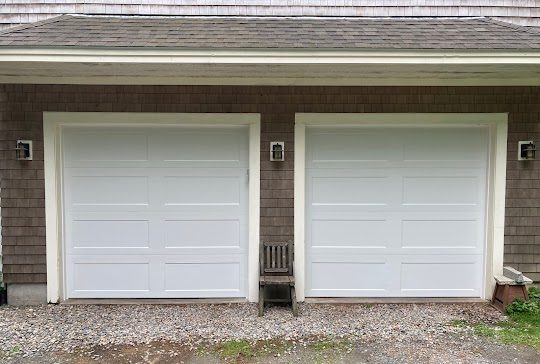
293	302
261	300
525	292
506	297
495	292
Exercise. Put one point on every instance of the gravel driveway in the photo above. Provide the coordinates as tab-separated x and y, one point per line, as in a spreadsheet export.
402	332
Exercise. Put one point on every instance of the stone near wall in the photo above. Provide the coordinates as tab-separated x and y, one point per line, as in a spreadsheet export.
27	294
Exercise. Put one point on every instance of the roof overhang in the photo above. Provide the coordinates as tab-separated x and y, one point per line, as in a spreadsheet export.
269	67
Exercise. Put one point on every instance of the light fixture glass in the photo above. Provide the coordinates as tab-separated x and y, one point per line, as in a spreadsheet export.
277	151
526	150
23	150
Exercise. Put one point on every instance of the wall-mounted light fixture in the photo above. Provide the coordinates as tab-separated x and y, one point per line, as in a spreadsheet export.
277	151
526	150
23	151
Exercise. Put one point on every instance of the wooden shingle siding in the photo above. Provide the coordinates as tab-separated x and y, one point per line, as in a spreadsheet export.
21	108
523	12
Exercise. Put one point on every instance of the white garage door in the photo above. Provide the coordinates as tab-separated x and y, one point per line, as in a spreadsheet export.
395	211
155	212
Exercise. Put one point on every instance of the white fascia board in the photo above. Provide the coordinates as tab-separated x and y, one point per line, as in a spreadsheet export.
245	56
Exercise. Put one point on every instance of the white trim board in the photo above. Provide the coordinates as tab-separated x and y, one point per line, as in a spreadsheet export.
53	122
498	129
267	56
316	67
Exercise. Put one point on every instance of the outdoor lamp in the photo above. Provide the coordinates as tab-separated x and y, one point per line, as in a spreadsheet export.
23	151
526	150
277	151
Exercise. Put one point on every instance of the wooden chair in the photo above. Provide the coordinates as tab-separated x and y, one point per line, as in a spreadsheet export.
276	260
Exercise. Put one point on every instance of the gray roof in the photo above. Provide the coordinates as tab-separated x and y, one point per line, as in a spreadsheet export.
271	32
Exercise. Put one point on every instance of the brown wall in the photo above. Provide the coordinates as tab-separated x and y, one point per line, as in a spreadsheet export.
22	193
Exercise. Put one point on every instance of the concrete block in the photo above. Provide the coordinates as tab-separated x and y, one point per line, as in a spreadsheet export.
27	294
513	274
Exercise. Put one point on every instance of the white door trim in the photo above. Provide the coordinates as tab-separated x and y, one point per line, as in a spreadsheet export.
53	122
498	129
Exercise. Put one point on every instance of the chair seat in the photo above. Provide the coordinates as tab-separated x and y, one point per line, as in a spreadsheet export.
276	280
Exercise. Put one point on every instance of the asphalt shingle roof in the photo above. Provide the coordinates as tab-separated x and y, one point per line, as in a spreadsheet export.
285	33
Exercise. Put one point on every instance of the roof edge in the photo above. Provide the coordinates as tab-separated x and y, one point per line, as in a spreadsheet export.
35	24
513	26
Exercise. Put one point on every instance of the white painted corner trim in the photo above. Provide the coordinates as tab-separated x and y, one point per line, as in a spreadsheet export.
497	123
53	123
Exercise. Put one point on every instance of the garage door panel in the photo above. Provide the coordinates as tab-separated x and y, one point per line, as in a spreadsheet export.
101	276
216	147
109	190
110	233
349	233
347	146
434	277
446	190
201	233
105	148
170	221
208	190
420	212
196	145
356	278
349	190
445	145
440	233
195	278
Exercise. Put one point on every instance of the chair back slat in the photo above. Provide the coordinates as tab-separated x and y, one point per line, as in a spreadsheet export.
277	258
268	258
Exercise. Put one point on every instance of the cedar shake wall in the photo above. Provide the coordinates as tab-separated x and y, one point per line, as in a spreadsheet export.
22	186
525	12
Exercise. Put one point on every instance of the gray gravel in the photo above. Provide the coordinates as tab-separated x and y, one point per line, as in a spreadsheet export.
39	329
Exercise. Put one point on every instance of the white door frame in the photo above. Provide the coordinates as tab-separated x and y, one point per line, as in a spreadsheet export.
53	122
497	124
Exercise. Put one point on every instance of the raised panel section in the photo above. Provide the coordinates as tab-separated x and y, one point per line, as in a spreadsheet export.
106	146
101	277
216	277
197	146
447	190
347	147
208	190
440	234
349	190
349	233
113	190
356	277
110	233
201	234
446	145
443	277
